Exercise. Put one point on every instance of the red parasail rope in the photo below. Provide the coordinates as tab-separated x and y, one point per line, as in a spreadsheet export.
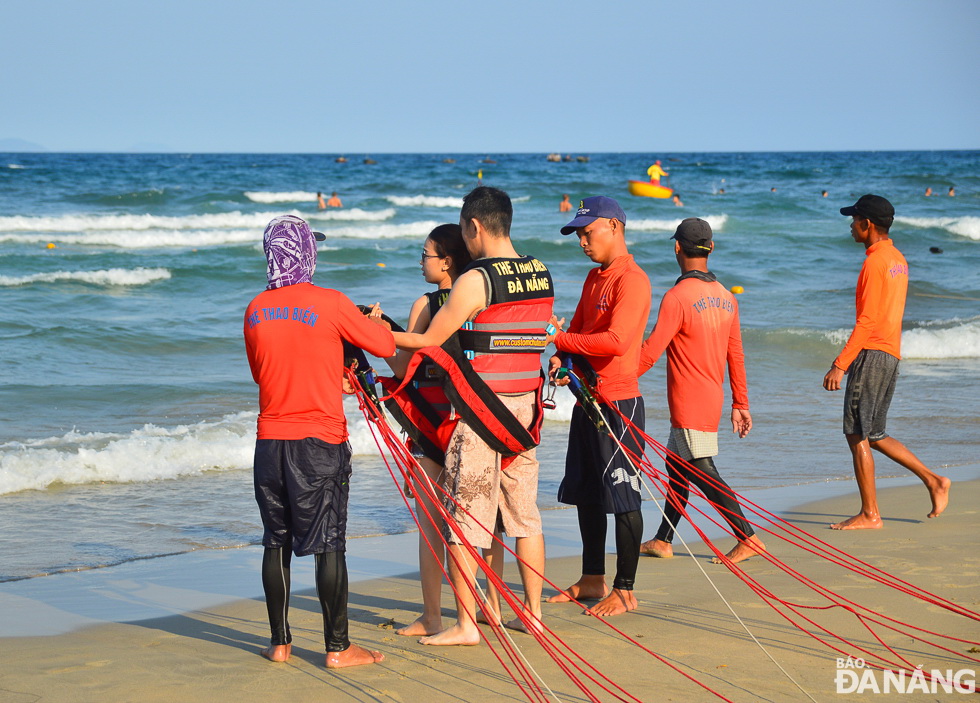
567	659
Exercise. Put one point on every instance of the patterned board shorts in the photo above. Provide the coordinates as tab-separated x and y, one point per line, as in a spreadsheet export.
868	395
484	497
692	444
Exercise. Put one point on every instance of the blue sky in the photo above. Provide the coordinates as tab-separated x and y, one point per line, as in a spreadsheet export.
440	76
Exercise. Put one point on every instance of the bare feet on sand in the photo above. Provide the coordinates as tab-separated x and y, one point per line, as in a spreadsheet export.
940	496
751	547
657	548
481	616
616	603
586	588
859	522
277	652
354	655
532	625
454	636
422	626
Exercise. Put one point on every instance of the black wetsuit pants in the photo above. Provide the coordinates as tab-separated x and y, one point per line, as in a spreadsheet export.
331	588
629	533
715	490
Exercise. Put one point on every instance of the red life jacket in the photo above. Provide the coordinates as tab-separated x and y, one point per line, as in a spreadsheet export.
506	339
498	352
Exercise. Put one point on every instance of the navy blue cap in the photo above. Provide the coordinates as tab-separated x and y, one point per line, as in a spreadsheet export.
591	209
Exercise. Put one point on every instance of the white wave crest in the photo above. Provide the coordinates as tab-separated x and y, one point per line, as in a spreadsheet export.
963	226
142	223
717	223
265	197
18	166
424	201
937	339
407	229
148	239
106	277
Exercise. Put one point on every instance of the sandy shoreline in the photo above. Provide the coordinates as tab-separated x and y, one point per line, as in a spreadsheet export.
211	653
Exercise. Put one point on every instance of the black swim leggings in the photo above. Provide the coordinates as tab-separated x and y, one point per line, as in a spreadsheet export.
715	490
629	534
331	588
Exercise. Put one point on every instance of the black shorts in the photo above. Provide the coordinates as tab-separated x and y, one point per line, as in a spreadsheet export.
597	472
301	486
870	385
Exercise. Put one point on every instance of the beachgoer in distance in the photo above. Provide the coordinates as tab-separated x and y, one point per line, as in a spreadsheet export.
497	277
320	204
677	200
698	326
444	256
334	200
294	332
870	359
823	194
600	478
928	192
656	172
952	191
565	205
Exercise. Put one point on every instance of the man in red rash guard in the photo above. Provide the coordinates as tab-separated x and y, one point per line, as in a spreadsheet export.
600	478
870	359
294	333
698	326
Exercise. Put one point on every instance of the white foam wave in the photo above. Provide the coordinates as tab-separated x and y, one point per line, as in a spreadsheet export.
14	166
265	197
106	277
148	239
142	223
424	201
408	229
717	223
938	339
962	226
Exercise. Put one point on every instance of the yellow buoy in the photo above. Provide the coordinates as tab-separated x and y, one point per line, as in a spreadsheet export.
737	289
51	245
381	265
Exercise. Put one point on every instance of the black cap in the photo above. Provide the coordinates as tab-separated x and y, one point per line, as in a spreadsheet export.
694	232
874	208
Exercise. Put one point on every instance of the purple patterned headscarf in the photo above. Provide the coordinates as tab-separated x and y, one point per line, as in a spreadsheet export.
290	248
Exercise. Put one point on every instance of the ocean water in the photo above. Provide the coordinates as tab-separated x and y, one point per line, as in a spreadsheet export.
127	410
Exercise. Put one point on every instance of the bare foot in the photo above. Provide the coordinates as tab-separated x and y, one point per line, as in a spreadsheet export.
586	588
277	652
616	603
533	624
481	616
355	655
657	548
940	496
751	547
454	636
422	626
859	522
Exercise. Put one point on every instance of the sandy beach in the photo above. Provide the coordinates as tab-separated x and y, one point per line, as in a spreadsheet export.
211	653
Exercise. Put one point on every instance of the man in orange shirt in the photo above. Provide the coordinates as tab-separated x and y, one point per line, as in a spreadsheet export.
870	360
600	478
698	326
294	334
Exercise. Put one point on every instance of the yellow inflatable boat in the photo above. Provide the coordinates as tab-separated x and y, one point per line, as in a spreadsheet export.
649	190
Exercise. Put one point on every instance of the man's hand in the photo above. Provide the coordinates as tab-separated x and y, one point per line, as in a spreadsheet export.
374	315
553	365
831	382
557	324
741	422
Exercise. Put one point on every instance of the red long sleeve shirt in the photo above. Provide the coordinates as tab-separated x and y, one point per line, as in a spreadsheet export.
880	302
608	325
698	326
293	338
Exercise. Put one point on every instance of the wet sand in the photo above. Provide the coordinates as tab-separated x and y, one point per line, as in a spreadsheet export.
211	654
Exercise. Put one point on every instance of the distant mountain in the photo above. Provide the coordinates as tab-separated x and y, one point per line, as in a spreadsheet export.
19	145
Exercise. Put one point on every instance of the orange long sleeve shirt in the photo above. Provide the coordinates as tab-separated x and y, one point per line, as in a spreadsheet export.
608	325
294	341
880	302
698	325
